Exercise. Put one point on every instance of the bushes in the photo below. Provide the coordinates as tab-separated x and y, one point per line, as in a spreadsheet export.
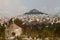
39	28
2	33
18	22
2	28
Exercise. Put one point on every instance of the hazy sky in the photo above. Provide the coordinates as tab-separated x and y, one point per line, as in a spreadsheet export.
16	7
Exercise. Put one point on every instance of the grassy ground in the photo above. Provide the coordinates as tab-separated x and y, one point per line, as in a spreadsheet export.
2	35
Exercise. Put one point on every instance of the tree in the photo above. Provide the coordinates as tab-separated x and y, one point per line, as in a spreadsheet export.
18	22
2	28
2	32
57	29
10	21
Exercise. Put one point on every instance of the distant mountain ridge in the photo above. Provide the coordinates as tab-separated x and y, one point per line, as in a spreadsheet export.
35	11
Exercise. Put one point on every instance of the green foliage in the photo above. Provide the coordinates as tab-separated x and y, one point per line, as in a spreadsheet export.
39	28
10	21
2	32
18	22
2	28
57	29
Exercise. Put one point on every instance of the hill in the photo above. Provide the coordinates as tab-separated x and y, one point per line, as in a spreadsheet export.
35	11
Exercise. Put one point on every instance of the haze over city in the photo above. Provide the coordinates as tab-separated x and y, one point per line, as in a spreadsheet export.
29	19
17	7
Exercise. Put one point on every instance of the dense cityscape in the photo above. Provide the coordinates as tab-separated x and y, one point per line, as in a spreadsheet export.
33	25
